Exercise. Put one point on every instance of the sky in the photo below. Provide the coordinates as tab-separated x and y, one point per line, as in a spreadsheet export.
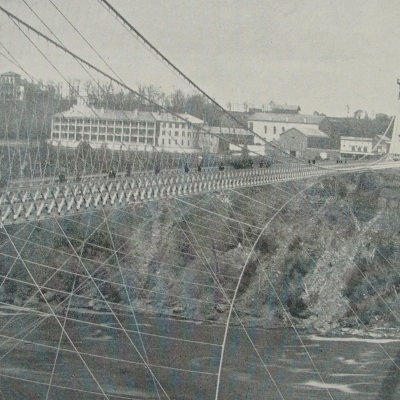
325	56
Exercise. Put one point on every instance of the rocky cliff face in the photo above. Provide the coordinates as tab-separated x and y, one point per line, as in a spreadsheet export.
327	260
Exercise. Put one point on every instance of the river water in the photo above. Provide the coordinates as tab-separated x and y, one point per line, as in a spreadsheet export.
95	354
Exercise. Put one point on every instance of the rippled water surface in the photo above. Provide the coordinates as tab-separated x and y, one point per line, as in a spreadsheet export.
184	357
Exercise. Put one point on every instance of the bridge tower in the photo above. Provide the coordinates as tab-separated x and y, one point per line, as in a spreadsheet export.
395	143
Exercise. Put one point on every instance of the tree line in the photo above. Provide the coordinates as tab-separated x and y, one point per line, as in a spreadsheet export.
30	118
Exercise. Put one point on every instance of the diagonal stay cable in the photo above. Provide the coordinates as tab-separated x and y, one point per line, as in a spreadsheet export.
58	321
59	343
249	338
127	25
57	270
31	381
230	302
235	295
115	316
130	302
17	21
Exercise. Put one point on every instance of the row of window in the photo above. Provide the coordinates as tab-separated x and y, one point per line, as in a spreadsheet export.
95	129
274	128
169	133
163	142
353	148
104	138
8	80
96	122
112	138
266	128
176	125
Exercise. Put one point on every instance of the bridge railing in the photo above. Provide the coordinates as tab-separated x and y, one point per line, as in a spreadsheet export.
52	197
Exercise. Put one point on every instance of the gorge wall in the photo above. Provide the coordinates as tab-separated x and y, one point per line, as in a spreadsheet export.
328	260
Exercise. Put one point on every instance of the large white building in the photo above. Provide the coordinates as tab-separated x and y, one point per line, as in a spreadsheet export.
127	130
271	125
99	127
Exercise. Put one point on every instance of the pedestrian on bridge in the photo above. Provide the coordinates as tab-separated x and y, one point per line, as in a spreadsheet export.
199	168
128	169
186	168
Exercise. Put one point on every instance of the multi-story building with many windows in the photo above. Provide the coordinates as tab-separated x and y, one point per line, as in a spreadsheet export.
99	127
178	133
124	130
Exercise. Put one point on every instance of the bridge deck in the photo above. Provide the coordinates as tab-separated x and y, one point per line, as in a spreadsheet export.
43	198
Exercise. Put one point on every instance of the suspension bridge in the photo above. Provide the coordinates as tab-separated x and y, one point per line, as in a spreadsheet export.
41	198
133	285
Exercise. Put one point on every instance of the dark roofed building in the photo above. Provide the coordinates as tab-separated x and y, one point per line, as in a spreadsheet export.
304	142
230	135
235	119
284	108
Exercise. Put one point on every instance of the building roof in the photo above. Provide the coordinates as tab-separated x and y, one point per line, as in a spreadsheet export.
95	113
290	118
285	107
307	131
364	139
222	130
168	117
10	73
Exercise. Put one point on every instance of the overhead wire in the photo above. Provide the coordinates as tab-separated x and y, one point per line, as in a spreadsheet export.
18	21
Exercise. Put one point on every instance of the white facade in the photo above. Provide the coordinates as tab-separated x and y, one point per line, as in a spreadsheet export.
207	142
253	150
11	87
378	145
178	134
113	129
271	125
355	145
125	130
